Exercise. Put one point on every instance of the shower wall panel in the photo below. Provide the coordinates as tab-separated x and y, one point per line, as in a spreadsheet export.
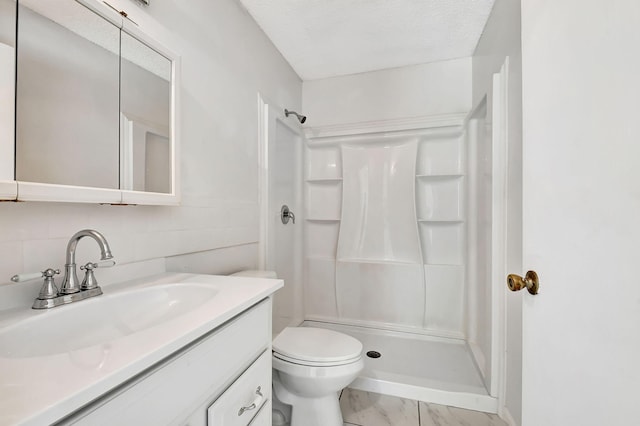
379	275
381	293
378	204
385	230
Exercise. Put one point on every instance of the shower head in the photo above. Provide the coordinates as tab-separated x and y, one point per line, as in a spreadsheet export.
301	118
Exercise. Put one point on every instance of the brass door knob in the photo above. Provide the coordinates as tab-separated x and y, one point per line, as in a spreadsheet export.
530	281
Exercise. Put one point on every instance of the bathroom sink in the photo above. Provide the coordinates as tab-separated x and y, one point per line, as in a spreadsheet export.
101	320
55	361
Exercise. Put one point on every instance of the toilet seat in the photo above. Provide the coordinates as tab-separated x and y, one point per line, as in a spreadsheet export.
316	347
315	363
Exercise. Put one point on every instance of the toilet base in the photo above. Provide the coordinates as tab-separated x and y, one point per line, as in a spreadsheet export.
281	412
317	412
324	411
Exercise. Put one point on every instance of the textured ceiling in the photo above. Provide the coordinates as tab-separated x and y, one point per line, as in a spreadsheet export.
326	38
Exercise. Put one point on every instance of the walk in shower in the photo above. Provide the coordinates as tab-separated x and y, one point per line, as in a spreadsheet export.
394	226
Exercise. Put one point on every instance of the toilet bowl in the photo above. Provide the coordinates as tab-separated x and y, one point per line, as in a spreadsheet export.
310	366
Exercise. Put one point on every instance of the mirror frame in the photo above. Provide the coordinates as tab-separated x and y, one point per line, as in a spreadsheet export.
8	185
32	191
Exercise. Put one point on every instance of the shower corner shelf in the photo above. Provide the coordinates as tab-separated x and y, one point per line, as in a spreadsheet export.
315	219
443	221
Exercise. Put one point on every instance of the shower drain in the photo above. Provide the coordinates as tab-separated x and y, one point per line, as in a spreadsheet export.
374	354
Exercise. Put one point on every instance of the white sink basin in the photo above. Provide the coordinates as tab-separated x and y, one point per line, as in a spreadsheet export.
100	320
56	361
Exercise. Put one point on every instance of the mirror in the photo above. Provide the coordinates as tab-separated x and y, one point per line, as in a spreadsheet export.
67	101
94	102
145	118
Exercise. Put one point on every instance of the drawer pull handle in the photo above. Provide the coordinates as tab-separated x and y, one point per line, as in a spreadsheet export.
256	402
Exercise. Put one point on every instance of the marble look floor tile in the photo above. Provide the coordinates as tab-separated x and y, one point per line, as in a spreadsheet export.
371	409
441	415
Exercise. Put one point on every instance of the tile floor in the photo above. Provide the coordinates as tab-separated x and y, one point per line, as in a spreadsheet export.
370	409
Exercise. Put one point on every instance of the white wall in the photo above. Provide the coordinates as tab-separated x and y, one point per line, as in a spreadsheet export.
419	90
501	38
226	60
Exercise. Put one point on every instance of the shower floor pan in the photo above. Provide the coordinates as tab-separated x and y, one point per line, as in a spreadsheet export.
419	367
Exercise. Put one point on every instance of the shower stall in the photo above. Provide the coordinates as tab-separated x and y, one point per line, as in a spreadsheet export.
394	230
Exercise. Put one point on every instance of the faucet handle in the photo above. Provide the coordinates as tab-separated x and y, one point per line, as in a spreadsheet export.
101	264
90	280
49	289
105	263
47	273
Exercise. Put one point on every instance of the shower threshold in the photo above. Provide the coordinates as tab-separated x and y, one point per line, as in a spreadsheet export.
419	367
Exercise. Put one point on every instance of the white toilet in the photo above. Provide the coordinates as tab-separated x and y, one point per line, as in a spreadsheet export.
310	366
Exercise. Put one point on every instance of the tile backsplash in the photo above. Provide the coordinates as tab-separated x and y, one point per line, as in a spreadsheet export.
34	236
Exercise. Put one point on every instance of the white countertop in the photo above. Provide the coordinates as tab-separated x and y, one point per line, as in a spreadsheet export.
43	389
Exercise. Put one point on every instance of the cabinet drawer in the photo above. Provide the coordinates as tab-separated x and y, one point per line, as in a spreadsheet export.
245	397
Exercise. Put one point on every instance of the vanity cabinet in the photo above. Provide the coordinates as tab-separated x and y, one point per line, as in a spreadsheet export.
206	383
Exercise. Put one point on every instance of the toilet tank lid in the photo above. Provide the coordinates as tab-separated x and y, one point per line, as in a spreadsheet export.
316	344
255	274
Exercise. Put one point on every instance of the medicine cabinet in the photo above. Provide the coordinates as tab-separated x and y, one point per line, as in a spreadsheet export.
91	106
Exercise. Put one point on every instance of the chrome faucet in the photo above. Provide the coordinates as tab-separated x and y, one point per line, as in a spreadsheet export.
70	283
70	290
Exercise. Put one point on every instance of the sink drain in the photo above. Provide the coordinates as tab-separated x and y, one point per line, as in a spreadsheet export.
374	354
